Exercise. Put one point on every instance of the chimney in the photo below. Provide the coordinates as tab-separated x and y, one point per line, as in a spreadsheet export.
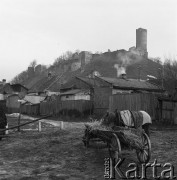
4	81
49	75
124	76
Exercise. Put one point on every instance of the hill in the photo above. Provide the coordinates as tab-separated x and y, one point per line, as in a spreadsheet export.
133	65
108	64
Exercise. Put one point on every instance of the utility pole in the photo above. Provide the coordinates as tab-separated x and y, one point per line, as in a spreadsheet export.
163	76
139	72
19	117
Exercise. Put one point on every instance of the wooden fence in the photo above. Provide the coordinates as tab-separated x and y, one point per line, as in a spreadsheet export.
101	100
167	111
69	107
30	109
135	102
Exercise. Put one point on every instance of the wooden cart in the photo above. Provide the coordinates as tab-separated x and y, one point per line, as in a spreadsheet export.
116	141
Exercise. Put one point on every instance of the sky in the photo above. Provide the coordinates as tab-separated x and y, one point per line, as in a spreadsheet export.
45	29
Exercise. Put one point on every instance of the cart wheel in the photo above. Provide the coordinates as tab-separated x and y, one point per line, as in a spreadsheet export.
86	138
144	154
86	142
114	148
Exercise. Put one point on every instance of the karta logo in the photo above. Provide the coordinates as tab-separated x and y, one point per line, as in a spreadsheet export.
132	171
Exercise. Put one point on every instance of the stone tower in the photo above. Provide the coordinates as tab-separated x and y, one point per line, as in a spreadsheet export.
141	41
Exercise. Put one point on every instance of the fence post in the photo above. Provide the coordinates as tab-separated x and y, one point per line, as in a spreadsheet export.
7	132
61	125
19	118
39	126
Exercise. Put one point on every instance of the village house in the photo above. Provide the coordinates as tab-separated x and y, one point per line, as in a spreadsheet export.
9	89
75	94
10	94
101	88
124	85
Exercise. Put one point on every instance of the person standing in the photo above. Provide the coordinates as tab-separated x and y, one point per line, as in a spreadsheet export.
3	121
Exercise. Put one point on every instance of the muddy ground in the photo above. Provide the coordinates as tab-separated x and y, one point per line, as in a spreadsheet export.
60	154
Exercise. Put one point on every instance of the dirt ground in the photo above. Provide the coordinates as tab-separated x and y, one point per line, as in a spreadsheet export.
60	155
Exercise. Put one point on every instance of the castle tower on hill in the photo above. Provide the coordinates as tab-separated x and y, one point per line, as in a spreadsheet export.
141	41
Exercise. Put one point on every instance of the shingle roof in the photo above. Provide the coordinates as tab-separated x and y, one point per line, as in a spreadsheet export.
72	84
131	84
90	81
9	88
17	87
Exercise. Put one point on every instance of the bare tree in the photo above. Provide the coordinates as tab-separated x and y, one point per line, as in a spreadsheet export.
77	51
20	77
156	59
169	75
68	55
33	63
170	69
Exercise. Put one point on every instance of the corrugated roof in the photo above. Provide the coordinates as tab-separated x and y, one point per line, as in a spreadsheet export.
34	99
131	84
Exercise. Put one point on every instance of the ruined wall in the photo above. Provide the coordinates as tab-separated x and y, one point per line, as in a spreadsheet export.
38	69
31	71
75	66
85	58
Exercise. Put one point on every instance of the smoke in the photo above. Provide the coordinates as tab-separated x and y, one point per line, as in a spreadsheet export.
125	59
120	70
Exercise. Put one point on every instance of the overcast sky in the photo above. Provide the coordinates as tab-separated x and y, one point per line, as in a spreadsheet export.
44	29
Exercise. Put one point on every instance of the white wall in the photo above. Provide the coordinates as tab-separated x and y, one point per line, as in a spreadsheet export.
2	97
75	97
118	91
